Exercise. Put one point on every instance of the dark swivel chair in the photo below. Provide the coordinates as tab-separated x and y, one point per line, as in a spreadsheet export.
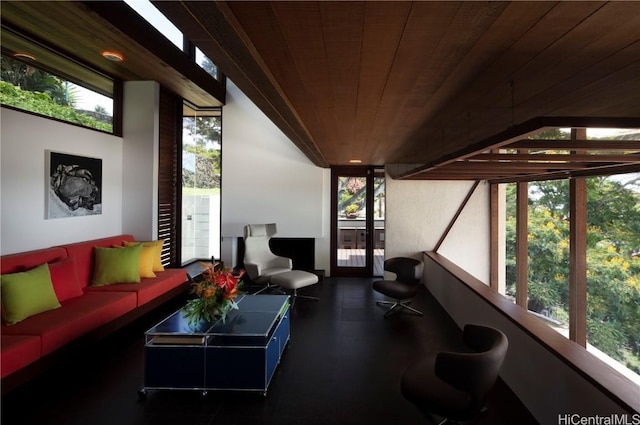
408	273
456	385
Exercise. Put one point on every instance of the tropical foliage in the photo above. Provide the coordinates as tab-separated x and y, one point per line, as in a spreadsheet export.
205	167
30	78
613	263
204	134
31	89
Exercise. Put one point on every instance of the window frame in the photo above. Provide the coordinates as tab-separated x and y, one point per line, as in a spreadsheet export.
65	67
578	231
205	111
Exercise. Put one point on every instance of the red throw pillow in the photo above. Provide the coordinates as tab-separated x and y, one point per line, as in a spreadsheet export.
65	279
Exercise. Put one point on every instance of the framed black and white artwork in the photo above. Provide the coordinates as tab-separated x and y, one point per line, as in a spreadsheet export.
74	185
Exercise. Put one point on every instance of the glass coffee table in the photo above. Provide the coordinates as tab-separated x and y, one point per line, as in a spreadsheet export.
240	354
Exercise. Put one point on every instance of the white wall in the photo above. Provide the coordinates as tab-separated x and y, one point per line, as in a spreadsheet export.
418	213
267	179
23	142
140	159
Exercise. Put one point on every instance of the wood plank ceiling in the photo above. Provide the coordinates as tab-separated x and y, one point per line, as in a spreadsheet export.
415	85
428	89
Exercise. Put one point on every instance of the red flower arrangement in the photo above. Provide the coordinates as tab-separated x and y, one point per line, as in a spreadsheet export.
215	295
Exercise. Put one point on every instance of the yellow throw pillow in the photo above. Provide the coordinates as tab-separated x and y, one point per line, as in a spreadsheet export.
157	245
145	267
146	261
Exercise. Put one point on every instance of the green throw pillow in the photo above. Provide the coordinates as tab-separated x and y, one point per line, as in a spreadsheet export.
25	294
116	265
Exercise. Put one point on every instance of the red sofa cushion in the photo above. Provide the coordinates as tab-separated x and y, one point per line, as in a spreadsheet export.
21	262
83	251
76	317
148	288
17	352
65	279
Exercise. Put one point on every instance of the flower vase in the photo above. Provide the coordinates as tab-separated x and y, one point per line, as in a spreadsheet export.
215	293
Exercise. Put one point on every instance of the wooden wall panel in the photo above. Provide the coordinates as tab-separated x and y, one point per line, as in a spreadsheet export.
169	178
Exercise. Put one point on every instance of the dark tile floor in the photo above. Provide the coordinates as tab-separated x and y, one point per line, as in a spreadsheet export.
342	366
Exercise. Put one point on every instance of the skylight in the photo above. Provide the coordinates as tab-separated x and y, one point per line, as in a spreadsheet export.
152	15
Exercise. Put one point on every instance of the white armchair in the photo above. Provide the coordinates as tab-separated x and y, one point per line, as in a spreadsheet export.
259	262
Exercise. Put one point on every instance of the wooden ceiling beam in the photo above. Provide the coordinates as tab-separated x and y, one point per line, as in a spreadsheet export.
464	166
437	176
590	145
514	134
491	157
591	172
507	174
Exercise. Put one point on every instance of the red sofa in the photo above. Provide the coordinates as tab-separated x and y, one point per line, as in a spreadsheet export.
84	310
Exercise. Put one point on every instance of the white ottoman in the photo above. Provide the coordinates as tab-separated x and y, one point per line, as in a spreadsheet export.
293	280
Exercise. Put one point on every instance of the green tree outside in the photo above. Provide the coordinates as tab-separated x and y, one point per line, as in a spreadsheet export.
205	132
43	104
30	78
31	89
613	263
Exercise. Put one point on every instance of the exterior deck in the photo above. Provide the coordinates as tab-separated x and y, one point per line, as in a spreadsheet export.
356	258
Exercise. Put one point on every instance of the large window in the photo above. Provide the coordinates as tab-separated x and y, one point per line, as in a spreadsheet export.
607	305
26	86
548	250
613	267
201	175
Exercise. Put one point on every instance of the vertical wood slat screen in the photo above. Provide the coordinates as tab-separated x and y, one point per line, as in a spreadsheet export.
168	175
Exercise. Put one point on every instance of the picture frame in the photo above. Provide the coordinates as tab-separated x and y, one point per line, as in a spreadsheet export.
73	185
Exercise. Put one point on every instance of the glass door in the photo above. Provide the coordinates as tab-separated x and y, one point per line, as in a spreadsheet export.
357	222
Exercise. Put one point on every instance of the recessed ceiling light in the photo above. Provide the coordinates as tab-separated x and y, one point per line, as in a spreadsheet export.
355	161
113	56
24	56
